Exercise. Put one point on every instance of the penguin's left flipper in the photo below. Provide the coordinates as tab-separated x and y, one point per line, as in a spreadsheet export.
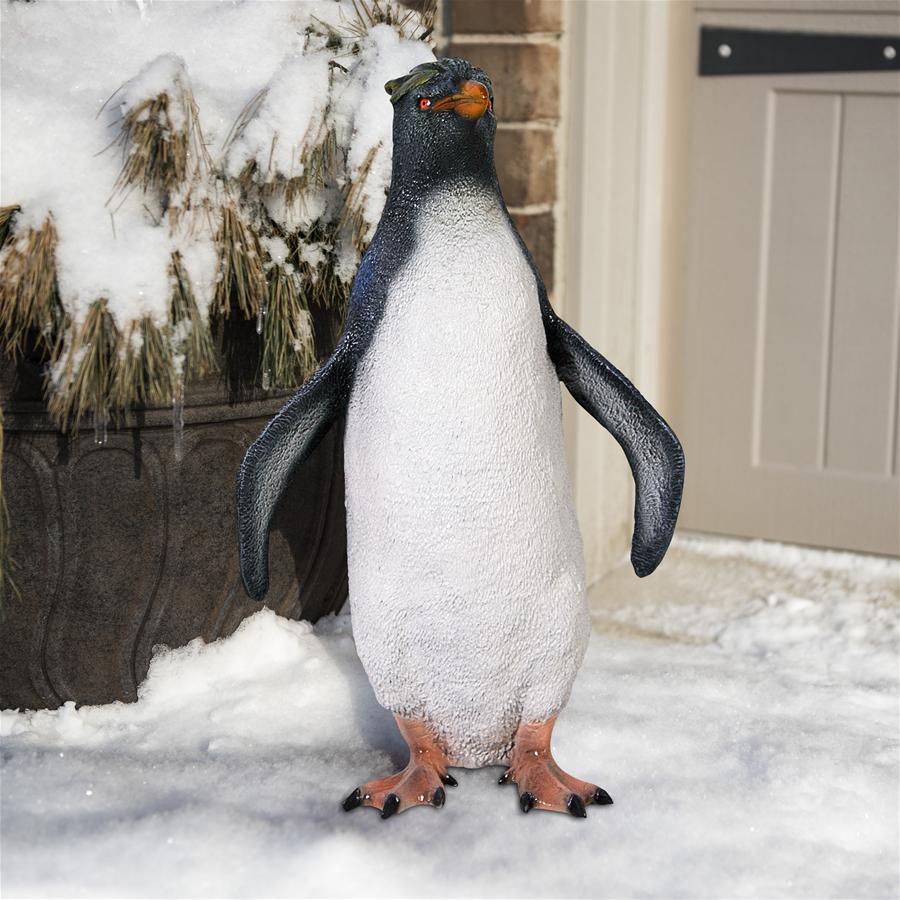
286	442
653	451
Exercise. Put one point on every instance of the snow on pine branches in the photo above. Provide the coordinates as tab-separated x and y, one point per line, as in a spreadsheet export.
166	167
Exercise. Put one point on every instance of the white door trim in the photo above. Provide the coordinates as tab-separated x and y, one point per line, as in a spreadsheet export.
627	97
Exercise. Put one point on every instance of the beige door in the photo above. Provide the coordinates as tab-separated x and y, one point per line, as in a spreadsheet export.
790	407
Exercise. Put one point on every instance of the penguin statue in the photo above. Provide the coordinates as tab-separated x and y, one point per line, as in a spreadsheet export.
466	572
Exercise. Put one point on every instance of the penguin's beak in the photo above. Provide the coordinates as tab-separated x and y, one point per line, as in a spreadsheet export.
471	101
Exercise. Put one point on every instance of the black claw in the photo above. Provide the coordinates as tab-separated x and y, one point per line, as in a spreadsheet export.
438	798
601	798
353	800
527	801
391	805
575	805
449	780
503	778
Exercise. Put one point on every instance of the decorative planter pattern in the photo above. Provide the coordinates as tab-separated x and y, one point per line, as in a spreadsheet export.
122	547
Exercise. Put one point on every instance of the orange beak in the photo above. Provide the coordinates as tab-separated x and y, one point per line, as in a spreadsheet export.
471	101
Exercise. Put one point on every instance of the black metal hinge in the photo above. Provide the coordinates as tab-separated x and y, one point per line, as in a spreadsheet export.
751	51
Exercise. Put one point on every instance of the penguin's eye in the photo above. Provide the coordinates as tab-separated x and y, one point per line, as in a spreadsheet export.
424	103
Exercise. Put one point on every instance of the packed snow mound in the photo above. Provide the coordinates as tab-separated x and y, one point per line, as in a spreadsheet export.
750	747
267	655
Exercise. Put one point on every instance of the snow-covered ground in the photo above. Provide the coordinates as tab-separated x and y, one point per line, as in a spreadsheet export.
741	706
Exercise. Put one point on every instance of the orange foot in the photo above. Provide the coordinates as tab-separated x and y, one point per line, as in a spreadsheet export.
542	783
419	784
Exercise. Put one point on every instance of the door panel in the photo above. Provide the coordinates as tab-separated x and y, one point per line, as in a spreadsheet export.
863	353
798	211
790	406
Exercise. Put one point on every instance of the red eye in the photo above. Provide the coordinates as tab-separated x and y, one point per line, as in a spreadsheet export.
424	103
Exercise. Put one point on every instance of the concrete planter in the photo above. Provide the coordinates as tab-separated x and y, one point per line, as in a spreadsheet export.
122	547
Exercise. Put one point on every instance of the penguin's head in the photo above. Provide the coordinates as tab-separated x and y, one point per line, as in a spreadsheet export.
443	122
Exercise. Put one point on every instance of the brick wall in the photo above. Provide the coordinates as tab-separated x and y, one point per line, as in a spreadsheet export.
517	42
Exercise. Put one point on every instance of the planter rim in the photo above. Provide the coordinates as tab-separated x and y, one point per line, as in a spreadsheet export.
32	415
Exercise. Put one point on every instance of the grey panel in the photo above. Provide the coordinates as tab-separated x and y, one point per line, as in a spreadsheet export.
796	267
862	372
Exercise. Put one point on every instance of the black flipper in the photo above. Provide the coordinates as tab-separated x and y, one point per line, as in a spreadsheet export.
286	442
653	451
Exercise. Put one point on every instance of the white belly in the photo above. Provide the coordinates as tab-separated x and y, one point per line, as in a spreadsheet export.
465	559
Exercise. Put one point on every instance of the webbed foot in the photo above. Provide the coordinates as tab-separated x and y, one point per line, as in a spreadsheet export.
541	782
420	783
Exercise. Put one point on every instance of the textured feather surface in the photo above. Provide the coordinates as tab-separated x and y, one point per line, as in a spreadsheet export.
466	569
465	559
652	450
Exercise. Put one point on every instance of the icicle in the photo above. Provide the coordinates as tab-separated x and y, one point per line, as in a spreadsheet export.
178	419
260	317
100	434
266	380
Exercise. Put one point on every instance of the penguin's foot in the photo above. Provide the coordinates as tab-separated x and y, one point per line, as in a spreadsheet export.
421	783
541	782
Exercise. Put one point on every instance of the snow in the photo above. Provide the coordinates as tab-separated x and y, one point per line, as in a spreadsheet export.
290	114
368	135
159	76
70	71
276	249
741	706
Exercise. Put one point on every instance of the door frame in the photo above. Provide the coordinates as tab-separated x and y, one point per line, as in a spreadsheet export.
627	76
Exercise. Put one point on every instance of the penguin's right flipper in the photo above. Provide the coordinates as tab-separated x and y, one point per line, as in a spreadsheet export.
653	451
286	442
